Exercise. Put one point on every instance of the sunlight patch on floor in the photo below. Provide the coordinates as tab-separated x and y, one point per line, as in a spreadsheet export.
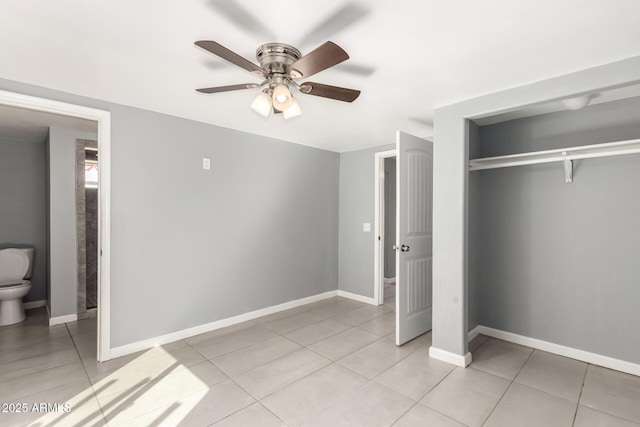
153	380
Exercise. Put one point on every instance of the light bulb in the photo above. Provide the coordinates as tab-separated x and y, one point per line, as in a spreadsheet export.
262	104
282	97
293	111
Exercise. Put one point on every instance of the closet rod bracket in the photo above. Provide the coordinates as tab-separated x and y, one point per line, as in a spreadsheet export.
568	168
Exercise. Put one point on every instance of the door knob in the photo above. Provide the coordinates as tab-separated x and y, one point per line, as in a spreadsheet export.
404	248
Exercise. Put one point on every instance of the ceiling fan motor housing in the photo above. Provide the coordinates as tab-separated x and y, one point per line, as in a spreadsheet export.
277	57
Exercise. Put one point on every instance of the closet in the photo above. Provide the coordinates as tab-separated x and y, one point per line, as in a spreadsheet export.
554	227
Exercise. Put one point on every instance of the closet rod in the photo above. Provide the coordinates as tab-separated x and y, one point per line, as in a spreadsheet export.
558	155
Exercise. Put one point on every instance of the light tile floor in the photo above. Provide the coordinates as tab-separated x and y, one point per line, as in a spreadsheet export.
330	363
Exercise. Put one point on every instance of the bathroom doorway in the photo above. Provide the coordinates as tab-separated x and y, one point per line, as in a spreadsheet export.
62	111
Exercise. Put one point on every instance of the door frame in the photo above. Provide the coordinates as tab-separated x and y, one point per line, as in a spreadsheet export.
379	240
103	120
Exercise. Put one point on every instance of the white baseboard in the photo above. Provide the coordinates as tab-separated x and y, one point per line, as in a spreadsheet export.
357	297
573	353
196	330
473	333
63	319
448	357
390	280
33	304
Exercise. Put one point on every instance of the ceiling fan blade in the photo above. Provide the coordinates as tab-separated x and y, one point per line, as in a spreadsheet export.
242	18
332	92
228	55
323	57
227	88
341	18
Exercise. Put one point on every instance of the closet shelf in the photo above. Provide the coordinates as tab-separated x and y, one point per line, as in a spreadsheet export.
565	155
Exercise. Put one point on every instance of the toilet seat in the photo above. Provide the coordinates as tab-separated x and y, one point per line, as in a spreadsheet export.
13	284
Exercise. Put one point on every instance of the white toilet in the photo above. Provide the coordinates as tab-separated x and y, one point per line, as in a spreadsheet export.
15	270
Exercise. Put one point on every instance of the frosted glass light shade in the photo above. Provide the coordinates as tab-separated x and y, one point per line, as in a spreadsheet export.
293	111
262	104
282	98
577	103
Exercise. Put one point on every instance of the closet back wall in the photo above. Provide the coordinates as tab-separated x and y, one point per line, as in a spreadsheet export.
554	261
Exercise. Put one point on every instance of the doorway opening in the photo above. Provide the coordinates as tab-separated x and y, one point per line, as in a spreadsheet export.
103	121
385	228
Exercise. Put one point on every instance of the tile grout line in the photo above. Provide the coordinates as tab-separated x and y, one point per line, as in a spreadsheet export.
510	385
93	390
433	388
584	379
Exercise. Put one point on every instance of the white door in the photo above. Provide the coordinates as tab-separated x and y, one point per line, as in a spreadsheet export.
414	236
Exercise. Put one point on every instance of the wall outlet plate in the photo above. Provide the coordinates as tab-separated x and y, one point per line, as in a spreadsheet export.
206	163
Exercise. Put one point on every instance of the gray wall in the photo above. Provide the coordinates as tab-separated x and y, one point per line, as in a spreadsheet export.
390	217
63	270
357	174
191	246
23	204
556	261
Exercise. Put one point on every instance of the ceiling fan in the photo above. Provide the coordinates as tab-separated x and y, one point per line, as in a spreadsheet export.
280	67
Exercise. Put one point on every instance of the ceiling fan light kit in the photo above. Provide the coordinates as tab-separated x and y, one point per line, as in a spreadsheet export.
262	103
280	65
293	111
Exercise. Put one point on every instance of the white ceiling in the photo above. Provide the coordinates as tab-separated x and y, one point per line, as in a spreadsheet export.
412	55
